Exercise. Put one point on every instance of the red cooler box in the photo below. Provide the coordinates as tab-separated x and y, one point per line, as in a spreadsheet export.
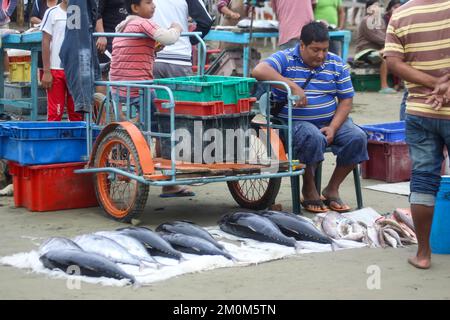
52	187
388	161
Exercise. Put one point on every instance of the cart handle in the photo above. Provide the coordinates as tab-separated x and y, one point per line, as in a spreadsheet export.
197	35
290	100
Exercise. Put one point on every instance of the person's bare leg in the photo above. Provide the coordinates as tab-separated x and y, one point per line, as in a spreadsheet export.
338	176
384	75
423	218
309	190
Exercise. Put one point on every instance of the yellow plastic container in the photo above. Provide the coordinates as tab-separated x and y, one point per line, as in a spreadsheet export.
20	71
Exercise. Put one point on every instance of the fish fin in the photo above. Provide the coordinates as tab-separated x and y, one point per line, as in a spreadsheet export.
293	231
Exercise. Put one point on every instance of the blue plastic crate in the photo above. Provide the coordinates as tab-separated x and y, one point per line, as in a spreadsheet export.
34	143
32	37
12	38
386	132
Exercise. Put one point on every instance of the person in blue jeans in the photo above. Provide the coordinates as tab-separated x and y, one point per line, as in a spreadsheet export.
321	116
423	67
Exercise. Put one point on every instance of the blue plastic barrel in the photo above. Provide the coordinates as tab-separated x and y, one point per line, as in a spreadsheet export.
440	230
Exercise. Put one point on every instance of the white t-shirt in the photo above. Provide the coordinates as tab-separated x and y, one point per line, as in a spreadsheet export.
54	23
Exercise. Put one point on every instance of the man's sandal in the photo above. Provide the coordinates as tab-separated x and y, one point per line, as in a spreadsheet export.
309	205
330	200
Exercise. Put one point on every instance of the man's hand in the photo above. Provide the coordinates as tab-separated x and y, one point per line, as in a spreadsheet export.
233	15
302	101
47	80
441	93
329	133
101	44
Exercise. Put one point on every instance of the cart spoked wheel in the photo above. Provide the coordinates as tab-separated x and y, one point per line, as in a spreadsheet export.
121	197
256	194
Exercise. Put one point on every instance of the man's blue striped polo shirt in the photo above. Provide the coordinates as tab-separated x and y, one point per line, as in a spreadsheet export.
330	81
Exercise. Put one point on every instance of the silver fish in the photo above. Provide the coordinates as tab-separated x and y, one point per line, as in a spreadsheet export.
153	242
57	243
107	248
133	246
89	264
188	228
253	226
194	245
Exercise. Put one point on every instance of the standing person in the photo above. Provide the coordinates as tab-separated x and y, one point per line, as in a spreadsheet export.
321	116
333	13
110	14
54	79
37	14
139	51
176	60
370	43
417	50
292	16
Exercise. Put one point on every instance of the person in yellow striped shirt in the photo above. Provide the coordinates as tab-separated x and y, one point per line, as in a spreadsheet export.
418	50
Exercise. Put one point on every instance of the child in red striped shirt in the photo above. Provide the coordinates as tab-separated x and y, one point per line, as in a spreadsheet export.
133	58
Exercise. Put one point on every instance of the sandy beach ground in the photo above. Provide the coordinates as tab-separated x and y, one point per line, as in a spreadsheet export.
338	275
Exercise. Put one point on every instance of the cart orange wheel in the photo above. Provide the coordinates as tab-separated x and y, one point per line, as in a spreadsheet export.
256	194
122	198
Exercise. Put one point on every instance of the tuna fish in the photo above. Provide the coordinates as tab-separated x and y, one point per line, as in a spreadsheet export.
297	227
194	245
153	242
253	226
57	243
107	248
133	246
188	228
89	264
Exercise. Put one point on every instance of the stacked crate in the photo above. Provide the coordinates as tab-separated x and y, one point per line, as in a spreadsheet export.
42	159
211	102
388	153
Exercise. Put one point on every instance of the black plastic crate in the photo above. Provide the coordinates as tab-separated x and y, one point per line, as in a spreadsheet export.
196	137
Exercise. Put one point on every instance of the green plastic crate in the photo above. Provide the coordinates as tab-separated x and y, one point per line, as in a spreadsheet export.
206	88
368	82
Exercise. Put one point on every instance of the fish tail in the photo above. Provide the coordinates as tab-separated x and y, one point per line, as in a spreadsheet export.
333	245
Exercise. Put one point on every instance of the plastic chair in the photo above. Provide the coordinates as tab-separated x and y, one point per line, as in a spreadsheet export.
295	181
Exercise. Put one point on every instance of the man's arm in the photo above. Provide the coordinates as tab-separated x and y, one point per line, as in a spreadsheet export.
47	78
200	15
101	41
403	70
264	72
342	111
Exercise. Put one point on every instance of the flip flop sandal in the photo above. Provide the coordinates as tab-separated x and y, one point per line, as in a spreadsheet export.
330	200
307	204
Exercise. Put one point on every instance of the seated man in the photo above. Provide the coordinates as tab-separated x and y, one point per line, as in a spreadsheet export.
322	82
